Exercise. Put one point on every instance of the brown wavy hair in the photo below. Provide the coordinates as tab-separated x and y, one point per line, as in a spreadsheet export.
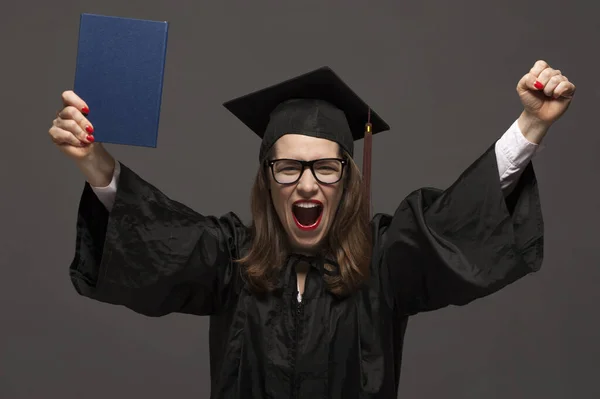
348	241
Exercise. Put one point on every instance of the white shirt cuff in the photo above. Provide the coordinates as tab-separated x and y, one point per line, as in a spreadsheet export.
107	194
513	153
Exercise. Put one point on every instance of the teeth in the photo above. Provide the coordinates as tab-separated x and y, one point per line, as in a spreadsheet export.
307	205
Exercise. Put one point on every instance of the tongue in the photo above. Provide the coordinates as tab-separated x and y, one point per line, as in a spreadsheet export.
307	216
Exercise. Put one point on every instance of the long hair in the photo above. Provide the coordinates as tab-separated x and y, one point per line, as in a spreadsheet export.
348	240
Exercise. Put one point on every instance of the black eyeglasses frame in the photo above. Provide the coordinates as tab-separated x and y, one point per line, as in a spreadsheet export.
307	164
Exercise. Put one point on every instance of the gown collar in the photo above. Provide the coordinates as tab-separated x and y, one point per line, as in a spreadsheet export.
318	262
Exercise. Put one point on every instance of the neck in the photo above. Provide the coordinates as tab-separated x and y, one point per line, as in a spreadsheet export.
315	251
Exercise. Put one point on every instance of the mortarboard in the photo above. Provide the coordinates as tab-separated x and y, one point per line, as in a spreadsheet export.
318	104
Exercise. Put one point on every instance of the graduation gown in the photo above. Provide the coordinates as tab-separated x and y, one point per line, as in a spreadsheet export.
441	247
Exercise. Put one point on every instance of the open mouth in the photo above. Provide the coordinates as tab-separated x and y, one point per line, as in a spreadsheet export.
307	214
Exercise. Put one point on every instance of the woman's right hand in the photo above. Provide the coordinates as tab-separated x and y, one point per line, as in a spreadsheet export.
72	133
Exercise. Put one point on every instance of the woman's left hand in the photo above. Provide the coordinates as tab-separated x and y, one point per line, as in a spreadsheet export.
545	93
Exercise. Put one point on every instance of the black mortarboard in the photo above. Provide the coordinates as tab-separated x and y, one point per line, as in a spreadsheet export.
318	104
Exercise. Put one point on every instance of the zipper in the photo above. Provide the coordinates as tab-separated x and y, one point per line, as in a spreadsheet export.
297	318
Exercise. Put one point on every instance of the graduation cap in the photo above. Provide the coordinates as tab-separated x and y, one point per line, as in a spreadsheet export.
317	104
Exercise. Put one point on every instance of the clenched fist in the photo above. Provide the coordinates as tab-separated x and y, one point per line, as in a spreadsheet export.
545	94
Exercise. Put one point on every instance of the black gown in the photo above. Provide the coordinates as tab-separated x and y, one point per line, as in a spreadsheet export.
441	247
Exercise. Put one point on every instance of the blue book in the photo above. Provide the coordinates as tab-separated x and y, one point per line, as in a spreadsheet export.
119	73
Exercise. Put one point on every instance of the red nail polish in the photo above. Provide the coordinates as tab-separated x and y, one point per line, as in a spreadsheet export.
89	129
538	85
90	138
85	110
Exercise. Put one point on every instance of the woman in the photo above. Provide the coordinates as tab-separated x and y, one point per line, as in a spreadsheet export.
313	299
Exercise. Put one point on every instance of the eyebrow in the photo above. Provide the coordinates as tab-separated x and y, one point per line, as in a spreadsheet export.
336	154
306	159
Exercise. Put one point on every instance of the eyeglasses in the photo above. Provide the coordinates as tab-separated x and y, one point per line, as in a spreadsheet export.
289	171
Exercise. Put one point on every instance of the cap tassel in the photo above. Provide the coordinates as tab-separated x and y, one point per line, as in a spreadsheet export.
367	160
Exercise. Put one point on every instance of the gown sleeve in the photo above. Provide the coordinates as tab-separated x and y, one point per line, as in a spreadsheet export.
453	246
152	254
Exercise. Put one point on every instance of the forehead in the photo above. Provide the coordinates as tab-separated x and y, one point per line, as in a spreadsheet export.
299	146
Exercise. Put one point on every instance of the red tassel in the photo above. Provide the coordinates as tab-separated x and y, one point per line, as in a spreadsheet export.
367	161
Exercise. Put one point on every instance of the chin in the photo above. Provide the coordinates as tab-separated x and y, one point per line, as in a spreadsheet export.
306	241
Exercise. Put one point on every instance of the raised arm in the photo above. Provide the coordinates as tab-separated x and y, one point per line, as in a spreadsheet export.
135	246
453	246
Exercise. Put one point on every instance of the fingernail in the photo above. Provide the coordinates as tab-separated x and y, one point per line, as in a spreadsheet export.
89	129
538	85
85	110
90	138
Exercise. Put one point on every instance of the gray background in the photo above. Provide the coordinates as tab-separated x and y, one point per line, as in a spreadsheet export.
442	73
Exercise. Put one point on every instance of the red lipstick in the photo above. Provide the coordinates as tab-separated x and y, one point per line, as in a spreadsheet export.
314	225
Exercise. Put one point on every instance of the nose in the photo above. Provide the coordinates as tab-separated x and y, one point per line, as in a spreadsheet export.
307	185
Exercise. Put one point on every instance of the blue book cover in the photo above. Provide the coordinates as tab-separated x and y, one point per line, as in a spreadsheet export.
119	73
